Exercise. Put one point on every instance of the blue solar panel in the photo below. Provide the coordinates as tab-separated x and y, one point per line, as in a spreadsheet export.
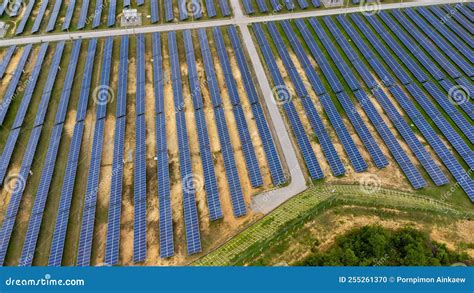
225	9
24	18
448	50
70	10
303	4
426	44
112	12
169	14
194	82
262	6
17	194
86	81
328	148
90	197
83	14
264	131
183	10
59	235
54	15
6	60
155	11
448	131
311	161
103	95
140	192
39	16
456	43
211	9
123	78
316	3
7	152
248	6
12	86
209	68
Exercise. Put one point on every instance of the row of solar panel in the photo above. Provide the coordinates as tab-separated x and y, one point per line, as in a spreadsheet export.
277	6
187	9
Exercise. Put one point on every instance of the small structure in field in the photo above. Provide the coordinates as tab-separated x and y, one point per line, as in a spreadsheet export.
333	3
131	17
3	29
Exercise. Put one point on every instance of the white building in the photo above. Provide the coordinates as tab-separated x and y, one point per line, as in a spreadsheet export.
333	3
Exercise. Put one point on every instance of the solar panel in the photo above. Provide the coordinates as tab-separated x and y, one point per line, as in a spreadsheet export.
209	68
70	10
140	192
103	95
54	15
83	14
12	86
155	11
59	234
183	12
463	101
112	11
225	9
169	14
248	6
86	81
39	16
7	152
6	60
262	6
123	78
26	15
311	161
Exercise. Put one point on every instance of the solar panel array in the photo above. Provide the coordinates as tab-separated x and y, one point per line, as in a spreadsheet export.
273	160
242	127
354	155
116	187
92	188
68	17
310	159
140	190
54	15
12	86
460	19
233	180
39	16
164	200
451	23
278	6
26	14
83	14
210	180
191	220
315	120
21	113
